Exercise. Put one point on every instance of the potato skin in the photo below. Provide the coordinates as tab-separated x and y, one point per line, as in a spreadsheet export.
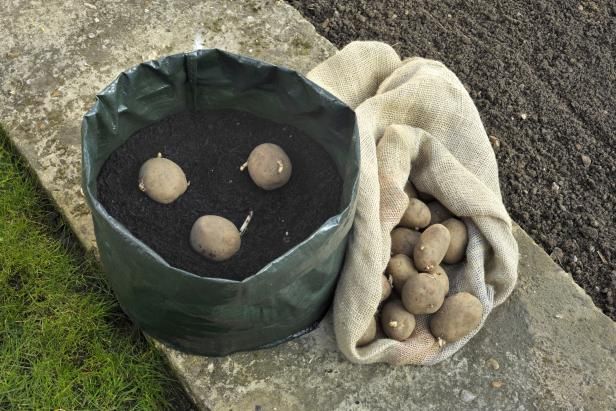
269	166
162	180
422	294
369	335
416	215
386	288
403	240
459	241
459	315
410	190
442	277
215	237
431	248
400	268
438	212
396	322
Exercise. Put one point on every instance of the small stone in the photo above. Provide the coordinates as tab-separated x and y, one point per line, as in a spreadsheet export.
580	7
90	6
96	20
91	35
492	363
557	254
497	384
586	160
467	396
559	316
590	232
523	116
495	142
555	187
578	146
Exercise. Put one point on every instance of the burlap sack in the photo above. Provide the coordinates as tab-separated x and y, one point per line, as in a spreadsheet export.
415	120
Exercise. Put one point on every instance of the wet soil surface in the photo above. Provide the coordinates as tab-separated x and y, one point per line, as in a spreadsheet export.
210	147
544	79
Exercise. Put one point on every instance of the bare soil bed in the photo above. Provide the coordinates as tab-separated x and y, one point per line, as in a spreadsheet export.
543	77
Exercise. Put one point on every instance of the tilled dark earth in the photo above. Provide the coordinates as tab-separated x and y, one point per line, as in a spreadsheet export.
543	76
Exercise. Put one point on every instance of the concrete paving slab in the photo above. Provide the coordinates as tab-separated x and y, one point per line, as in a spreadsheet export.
548	347
554	349
55	55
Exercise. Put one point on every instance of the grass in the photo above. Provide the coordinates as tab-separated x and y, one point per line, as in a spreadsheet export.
64	342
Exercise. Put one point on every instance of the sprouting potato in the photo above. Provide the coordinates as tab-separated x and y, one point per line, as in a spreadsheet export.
162	180
459	315
369	335
215	237
459	241
422	294
400	268
396	322
403	240
431	248
438	212
386	288
441	275
416	215
410	190
269	166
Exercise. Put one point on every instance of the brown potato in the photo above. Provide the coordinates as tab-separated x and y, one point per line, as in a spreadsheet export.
386	288
403	240
416	215
442	277
431	248
459	315
400	268
438	212
269	166
162	180
214	237
369	335
422	294
410	190
459	241
396	322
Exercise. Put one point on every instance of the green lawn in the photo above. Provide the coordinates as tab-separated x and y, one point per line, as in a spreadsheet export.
64	342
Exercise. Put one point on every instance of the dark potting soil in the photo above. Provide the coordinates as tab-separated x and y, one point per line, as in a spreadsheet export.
543	76
210	146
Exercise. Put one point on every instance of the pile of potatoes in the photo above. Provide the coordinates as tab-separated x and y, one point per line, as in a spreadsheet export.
215	237
415	281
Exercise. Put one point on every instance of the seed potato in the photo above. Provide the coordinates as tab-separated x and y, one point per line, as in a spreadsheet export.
459	315
400	268
459	241
386	288
403	240
431	248
442	277
269	166
162	180
422	294
396	322
416	215
215	237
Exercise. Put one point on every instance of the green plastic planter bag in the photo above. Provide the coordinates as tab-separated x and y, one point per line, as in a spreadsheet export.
213	316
